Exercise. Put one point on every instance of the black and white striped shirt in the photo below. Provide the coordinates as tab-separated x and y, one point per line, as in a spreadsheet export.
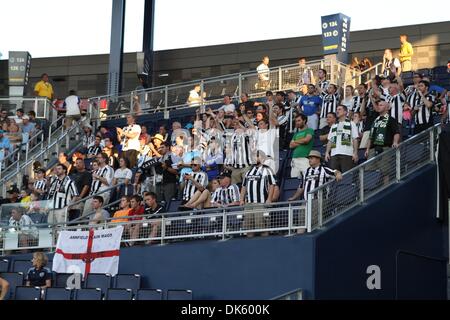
240	153
106	172
95	150
315	177
329	104
397	103
409	90
226	196
40	185
423	115
323	84
357	102
190	188
256	182
88	140
61	192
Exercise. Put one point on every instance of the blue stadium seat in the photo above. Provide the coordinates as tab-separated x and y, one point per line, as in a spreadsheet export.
425	72
98	280
58	294
22	266
4	265
149	294
179	295
173	205
38	218
127	281
15	279
372	180
291	184
119	294
27	293
286	194
61	279
88	294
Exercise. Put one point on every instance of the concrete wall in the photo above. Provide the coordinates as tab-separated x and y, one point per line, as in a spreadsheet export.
88	74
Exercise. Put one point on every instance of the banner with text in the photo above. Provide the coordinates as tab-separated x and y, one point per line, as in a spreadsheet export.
336	35
93	251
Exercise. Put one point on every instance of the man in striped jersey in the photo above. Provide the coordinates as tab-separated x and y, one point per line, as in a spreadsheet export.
196	180
95	149
227	194
258	187
323	83
315	176
40	184
101	180
61	193
421	103
239	151
359	99
396	100
417	77
330	100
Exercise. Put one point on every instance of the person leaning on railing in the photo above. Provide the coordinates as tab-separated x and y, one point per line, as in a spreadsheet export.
315	176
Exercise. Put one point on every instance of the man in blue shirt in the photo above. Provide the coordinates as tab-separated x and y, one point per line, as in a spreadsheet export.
310	105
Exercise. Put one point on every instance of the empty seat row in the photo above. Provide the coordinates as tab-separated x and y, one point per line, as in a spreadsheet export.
34	293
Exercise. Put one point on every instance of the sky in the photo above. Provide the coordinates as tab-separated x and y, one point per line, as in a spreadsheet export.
48	28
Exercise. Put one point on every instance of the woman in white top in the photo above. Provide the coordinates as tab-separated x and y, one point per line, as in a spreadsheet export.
348	99
123	175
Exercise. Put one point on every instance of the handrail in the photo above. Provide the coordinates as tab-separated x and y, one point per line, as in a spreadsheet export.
90	197
25	164
284	296
319	191
369	161
198	81
188	213
282	78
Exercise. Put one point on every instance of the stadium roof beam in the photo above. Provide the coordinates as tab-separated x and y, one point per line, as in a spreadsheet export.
116	47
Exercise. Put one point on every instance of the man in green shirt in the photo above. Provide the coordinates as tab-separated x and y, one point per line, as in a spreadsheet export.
302	143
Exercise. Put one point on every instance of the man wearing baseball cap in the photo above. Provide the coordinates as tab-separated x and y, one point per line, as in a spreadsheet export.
227	194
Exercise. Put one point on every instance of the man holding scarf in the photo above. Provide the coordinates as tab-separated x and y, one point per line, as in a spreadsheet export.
342	142
384	133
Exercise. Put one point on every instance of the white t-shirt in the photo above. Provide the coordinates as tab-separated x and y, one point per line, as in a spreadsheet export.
24	222
72	104
265	141
343	149
263	71
134	143
194	98
122	174
228	108
348	102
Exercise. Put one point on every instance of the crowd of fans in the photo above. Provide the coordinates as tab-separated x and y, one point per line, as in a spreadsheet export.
229	156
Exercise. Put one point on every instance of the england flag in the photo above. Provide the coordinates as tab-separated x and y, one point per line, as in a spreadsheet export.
93	251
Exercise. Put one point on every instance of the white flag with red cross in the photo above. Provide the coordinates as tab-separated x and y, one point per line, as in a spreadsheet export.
93	251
